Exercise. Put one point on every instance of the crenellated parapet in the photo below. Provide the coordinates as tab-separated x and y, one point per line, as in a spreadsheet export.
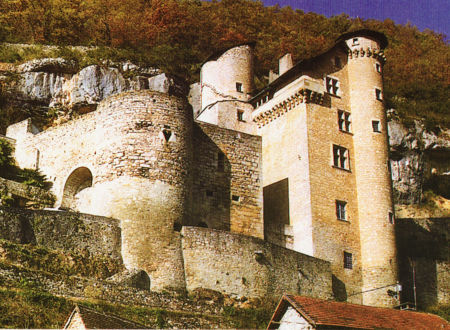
303	95
367	52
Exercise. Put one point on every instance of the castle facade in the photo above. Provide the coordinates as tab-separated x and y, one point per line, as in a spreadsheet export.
292	182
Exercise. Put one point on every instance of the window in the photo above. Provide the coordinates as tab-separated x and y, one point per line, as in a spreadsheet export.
376	126
378	94
235	198
348	260
332	85
337	61
341	210
391	218
220	162
344	121
340	157
240	115
239	87
355	41
378	67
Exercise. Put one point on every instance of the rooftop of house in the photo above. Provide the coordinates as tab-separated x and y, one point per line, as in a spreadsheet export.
93	319
324	314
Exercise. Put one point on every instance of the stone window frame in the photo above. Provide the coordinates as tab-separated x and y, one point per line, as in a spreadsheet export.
239	87
240	115
378	67
391	217
341	210
344	121
341	157
332	86
376	126
378	94
348	260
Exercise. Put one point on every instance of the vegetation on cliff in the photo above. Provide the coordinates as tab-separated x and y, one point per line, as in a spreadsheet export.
178	35
9	170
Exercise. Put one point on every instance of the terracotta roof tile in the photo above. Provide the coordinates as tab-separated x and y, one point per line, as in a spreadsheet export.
332	313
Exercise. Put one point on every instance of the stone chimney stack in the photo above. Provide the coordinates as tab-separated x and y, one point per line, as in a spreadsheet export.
285	63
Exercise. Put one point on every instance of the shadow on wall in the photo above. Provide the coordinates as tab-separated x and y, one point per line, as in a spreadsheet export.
339	290
211	188
79	179
276	212
423	248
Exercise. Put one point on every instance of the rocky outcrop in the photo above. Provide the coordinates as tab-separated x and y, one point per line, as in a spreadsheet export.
59	83
420	160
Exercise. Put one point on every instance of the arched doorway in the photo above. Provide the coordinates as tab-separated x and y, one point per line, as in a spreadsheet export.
79	179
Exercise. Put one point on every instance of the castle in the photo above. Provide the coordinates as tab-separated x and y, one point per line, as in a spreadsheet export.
291	182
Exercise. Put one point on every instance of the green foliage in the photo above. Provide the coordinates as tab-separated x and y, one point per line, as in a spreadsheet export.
9	170
178	35
28	308
440	310
245	318
5	154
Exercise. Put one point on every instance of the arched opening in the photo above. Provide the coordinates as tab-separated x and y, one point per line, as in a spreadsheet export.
79	179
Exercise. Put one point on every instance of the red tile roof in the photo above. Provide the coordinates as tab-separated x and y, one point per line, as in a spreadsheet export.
331	313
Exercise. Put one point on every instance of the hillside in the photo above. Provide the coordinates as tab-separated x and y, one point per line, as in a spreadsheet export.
178	35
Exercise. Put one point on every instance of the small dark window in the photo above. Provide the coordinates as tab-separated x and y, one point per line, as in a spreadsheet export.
240	115
341	210
332	85
348	260
340	157
391	218
355	41
239	87
209	193
235	198
378	67
337	61
376	126
378	94
220	162
344	121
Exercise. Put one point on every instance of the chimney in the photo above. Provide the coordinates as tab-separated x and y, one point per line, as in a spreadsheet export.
285	63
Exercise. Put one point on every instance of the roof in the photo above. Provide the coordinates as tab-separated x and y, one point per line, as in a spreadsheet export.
222	51
380	37
93	319
325	313
299	67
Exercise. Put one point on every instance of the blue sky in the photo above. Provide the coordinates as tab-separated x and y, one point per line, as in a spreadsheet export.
431	14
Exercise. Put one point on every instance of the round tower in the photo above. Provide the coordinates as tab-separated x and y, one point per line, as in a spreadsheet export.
373	179
143	178
228	76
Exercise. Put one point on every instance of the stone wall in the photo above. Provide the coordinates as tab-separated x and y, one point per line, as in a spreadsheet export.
424	252
65	231
227	191
247	266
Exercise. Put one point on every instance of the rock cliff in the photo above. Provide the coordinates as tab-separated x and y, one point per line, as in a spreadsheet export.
420	160
42	87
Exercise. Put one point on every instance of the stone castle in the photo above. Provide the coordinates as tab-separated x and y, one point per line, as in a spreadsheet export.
259	193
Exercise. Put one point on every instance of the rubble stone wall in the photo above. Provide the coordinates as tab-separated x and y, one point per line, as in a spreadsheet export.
247	266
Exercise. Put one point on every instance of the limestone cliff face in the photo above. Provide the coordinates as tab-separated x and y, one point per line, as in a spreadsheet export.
420	160
59	83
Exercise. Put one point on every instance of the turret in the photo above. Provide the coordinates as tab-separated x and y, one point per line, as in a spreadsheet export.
373	180
226	85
